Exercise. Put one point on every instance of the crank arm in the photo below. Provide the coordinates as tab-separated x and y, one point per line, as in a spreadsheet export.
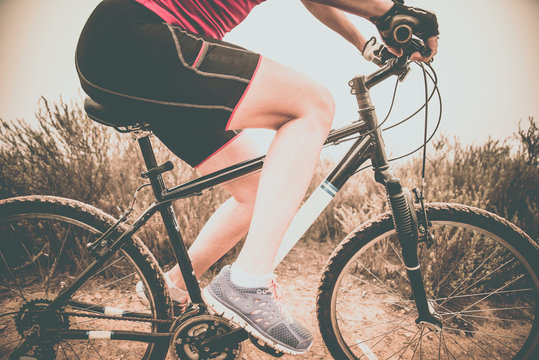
219	342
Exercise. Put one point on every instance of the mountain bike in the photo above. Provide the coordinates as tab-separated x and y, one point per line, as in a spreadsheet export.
428	281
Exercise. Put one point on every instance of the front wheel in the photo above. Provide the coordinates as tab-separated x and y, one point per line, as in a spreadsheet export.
480	276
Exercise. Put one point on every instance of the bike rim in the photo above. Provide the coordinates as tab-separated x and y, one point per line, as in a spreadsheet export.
490	328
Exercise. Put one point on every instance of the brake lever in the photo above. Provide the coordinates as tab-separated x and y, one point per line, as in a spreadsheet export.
416	45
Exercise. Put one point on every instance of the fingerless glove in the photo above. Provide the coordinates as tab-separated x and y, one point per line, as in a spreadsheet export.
423	23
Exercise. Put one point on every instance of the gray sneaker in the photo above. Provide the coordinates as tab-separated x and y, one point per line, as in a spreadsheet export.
258	311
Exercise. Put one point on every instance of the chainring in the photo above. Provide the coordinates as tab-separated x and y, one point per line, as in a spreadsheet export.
190	333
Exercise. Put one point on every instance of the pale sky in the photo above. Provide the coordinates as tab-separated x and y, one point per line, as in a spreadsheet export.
487	61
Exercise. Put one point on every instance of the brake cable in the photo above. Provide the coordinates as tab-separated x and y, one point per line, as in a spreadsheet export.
434	78
437	124
435	81
340	141
426	127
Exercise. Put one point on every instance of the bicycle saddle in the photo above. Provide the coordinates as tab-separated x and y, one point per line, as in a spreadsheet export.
122	118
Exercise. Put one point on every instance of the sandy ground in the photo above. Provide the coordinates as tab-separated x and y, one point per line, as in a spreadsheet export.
299	276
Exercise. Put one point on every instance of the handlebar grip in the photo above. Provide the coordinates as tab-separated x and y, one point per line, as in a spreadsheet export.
400	34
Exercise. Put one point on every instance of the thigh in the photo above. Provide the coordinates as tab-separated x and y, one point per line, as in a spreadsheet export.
278	94
194	146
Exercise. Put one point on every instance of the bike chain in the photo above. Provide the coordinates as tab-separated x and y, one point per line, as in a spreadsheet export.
108	317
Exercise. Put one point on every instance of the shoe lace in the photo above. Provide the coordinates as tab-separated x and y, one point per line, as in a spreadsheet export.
278	296
181	307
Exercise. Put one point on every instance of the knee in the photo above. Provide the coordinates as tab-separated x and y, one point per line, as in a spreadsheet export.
244	191
327	104
321	108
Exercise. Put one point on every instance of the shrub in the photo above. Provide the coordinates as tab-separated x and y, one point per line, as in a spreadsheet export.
66	154
494	176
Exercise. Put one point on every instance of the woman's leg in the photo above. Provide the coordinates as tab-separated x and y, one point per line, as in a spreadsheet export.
231	220
301	111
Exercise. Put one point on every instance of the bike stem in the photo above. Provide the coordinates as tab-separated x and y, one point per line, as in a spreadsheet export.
399	198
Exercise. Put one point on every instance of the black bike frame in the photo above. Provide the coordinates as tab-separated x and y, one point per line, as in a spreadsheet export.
368	146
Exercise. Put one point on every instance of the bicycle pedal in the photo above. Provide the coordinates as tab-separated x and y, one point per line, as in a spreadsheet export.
265	348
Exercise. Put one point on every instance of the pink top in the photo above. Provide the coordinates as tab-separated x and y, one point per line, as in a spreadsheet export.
212	18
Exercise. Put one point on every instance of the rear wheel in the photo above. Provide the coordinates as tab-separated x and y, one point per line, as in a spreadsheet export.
42	250
480	278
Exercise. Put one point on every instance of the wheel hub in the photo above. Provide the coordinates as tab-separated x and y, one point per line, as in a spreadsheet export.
432	320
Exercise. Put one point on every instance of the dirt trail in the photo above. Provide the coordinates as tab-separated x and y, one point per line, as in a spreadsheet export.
299	276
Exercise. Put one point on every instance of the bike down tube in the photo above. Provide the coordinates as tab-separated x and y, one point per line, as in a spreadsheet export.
324	194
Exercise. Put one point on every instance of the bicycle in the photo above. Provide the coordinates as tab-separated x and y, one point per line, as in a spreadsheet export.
53	307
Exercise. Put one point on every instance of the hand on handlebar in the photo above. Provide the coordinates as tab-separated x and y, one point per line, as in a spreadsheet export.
432	46
398	26
415	50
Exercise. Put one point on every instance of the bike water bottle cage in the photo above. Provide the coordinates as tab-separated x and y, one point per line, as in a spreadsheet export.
401	22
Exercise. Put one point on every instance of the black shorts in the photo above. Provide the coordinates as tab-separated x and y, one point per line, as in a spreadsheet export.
188	84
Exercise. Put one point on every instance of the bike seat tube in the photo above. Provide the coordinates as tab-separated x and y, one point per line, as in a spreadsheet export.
171	224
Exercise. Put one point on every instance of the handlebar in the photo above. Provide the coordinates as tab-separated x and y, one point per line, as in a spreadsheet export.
397	66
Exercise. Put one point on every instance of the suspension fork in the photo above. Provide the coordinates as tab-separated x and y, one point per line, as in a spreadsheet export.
400	202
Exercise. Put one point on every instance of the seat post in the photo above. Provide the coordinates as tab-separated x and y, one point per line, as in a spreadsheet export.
158	185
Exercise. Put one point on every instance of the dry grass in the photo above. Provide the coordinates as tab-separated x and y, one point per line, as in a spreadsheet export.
68	155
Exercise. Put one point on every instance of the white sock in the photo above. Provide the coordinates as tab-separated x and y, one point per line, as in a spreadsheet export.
176	293
244	278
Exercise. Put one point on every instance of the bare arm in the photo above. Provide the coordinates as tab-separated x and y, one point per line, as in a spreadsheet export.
337	21
363	8
367	9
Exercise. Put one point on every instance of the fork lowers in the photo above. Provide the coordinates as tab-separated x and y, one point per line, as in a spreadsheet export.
405	222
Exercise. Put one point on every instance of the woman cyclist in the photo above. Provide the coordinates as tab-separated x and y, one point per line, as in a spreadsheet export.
166	58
